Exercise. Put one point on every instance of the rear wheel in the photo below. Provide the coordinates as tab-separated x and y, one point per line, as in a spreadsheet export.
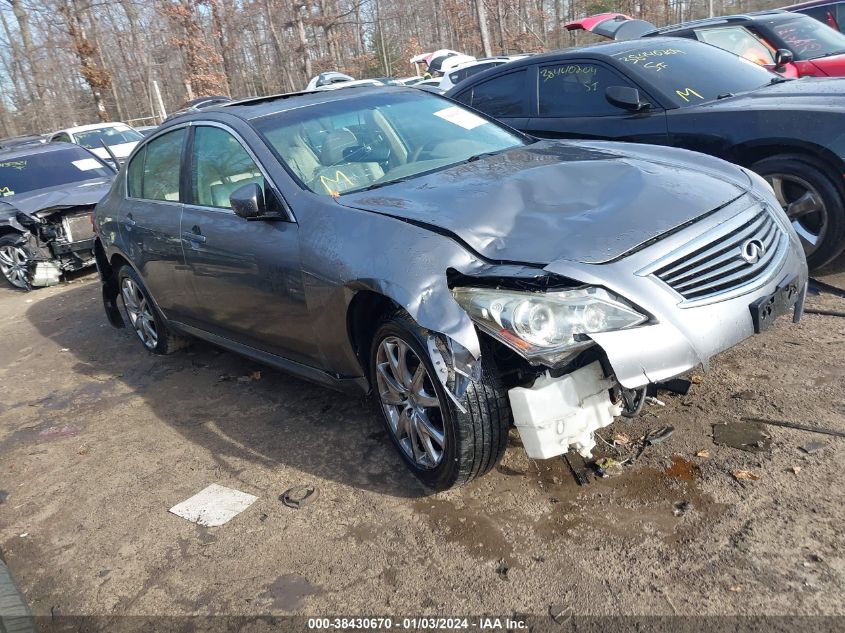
147	322
14	261
811	201
441	445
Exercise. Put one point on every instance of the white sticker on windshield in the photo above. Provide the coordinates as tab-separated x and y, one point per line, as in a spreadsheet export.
87	164
459	116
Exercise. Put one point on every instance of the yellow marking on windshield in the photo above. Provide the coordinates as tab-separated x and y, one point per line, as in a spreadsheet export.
338	177
686	92
636	58
14	164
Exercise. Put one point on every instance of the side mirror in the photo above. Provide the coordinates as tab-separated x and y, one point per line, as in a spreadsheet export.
626	98
248	203
783	57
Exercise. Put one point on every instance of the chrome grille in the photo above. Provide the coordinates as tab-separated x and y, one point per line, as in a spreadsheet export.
78	227
714	264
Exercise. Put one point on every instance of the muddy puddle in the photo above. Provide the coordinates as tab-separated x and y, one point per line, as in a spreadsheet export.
666	502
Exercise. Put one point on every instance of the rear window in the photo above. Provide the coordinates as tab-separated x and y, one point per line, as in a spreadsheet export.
49	169
459	75
94	139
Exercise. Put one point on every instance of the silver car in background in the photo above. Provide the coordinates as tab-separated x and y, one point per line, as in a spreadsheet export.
387	240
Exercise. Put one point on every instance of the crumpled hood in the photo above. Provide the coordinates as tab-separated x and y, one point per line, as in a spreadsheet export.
586	202
77	194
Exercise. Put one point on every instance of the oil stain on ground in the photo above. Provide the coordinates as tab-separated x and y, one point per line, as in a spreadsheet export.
287	592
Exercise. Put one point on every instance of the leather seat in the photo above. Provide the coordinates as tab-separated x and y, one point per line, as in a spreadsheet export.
337	175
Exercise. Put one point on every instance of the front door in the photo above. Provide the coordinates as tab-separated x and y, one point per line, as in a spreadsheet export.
246	275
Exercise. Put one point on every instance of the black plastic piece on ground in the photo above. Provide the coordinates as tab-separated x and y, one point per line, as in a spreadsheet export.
579	472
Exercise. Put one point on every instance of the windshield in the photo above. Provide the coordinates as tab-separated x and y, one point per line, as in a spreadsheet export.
111	135
359	142
807	38
690	73
49	169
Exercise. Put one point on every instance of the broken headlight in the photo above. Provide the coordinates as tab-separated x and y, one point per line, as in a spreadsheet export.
546	326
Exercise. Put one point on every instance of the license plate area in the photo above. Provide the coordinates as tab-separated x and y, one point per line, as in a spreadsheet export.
765	310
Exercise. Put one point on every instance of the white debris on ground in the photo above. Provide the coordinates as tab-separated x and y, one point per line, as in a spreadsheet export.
214	506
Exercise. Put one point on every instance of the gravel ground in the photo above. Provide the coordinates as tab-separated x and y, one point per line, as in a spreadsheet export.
98	439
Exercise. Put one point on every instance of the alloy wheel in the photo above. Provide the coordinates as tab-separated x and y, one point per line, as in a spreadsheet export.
14	265
410	403
140	313
804	206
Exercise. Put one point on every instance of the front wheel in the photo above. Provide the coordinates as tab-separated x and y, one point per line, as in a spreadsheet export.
439	443
14	262
811	201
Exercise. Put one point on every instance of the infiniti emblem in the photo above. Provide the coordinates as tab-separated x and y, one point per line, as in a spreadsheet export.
752	251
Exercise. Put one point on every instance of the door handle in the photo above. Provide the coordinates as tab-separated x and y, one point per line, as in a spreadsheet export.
130	221
194	235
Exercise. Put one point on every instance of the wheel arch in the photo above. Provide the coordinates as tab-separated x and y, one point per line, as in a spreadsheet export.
749	153
363	316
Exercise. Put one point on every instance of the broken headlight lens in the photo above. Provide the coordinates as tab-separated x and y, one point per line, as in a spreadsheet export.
546	326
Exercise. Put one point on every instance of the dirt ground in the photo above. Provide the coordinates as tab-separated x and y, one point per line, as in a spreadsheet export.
98	439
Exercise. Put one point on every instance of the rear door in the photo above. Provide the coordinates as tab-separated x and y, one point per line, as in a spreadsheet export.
571	103
151	225
246	275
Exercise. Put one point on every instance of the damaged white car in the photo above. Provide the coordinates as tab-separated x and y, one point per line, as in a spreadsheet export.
470	277
47	198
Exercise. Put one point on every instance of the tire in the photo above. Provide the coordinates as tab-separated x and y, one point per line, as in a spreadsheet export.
473	442
15	616
14	259
143	317
793	179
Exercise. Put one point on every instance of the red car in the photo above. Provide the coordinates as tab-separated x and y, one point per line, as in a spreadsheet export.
829	12
792	44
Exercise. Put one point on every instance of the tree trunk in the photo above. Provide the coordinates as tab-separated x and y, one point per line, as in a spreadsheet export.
482	28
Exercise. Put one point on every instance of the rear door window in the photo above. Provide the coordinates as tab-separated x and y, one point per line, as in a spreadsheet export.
161	159
503	96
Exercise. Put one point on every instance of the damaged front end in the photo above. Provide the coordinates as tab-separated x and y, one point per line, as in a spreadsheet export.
561	388
581	344
53	241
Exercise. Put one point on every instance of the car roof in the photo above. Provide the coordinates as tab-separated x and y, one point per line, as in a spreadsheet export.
811	4
256	107
90	126
742	18
13	152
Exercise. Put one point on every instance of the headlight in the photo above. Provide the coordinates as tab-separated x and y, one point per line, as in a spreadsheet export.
546	326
